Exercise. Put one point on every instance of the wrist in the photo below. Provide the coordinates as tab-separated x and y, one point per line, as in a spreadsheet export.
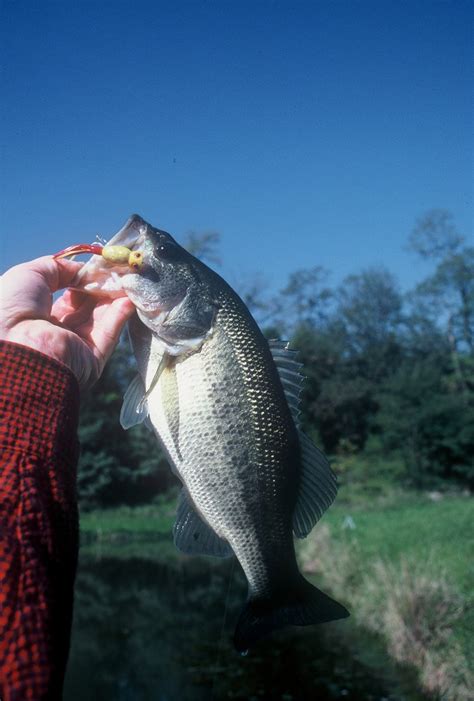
39	401
38	335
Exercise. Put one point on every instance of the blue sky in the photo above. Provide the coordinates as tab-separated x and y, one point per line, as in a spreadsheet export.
306	133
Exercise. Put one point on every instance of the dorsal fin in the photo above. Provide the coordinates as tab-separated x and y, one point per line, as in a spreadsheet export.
317	487
291	377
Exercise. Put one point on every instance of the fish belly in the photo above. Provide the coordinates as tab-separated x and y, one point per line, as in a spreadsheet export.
230	447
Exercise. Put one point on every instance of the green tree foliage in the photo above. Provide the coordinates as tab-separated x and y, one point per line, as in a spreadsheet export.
306	297
426	418
116	466
435	235
396	371
370	307
336	400
447	294
427	405
204	245
386	373
347	354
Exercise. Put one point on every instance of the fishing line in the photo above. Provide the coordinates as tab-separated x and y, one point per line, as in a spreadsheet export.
221	637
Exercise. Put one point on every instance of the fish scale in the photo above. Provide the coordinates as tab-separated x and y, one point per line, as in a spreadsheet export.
235	485
225	405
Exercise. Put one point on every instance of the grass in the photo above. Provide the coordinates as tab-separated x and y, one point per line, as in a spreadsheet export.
412	528
138	521
120	548
405	570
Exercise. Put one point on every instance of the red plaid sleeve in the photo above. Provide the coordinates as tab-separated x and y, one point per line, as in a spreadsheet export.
39	406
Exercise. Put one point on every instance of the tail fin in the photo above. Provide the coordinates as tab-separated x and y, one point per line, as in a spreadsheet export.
303	606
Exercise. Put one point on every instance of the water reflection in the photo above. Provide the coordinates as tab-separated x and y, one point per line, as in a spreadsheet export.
149	631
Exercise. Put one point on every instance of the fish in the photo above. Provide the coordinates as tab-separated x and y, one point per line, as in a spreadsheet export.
224	404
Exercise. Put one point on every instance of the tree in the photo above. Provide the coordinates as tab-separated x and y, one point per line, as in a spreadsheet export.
253	289
306	297
346	350
370	307
337	400
116	466
203	245
391	372
448	294
435	235
423	417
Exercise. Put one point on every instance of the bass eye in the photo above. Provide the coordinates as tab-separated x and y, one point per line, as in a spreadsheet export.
166	250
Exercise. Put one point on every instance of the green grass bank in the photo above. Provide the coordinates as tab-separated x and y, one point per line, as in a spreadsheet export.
403	563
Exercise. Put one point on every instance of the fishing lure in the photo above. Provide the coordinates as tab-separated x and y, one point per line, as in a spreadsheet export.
118	255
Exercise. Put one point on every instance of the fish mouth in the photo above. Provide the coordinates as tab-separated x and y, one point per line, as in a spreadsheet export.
129	235
104	278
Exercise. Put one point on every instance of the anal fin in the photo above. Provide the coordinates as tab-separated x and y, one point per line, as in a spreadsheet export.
192	535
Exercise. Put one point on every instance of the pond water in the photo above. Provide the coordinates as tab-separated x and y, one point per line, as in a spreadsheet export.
150	625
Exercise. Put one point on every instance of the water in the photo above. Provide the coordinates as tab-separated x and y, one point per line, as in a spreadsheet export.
149	626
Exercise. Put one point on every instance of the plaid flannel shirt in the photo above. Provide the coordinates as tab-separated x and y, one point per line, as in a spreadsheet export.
39	407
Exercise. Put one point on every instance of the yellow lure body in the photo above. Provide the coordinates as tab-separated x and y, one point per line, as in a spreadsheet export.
116	254
122	254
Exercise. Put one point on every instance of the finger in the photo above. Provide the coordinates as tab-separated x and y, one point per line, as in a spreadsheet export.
81	311
108	322
62	306
67	303
27	288
57	274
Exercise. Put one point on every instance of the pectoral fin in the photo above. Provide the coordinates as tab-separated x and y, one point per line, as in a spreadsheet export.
134	408
163	363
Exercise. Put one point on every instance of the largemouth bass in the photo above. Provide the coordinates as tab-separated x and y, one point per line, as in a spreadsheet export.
224	404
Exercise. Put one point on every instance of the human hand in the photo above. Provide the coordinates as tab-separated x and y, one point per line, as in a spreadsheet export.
78	330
